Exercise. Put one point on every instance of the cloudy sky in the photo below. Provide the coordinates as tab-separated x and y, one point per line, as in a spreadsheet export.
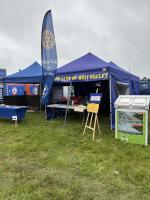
114	30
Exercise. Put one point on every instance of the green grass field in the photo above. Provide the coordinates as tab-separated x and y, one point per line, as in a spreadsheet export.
42	159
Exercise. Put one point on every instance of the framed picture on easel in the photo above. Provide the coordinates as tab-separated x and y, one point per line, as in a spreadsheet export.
95	98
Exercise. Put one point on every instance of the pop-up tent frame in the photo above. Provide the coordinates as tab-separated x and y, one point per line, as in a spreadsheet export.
91	68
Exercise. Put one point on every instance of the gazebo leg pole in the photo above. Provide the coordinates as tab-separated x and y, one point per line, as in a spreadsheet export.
110	102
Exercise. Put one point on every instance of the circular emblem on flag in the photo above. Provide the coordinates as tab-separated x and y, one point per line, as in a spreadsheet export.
48	40
14	90
35	91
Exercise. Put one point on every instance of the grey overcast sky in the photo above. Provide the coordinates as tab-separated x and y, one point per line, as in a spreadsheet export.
114	30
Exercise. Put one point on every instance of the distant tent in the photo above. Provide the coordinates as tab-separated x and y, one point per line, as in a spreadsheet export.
90	68
31	74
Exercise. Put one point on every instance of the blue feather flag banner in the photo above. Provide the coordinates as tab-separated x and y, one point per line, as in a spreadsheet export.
47	89
48	55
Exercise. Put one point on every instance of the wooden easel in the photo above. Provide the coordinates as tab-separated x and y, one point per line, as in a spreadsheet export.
92	110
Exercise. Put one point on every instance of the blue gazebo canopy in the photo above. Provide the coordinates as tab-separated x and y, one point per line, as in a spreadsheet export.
31	74
87	62
93	68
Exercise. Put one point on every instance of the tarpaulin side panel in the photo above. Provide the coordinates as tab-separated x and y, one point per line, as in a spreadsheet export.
133	86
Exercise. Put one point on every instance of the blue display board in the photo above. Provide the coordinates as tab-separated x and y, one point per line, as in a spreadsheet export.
95	98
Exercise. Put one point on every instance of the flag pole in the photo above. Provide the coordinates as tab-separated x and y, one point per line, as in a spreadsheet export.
45	112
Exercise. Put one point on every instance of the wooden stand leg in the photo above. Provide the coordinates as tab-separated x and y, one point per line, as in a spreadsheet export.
86	123
91	119
98	125
94	126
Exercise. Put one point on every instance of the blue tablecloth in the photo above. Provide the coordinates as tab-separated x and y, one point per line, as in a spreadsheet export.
7	112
